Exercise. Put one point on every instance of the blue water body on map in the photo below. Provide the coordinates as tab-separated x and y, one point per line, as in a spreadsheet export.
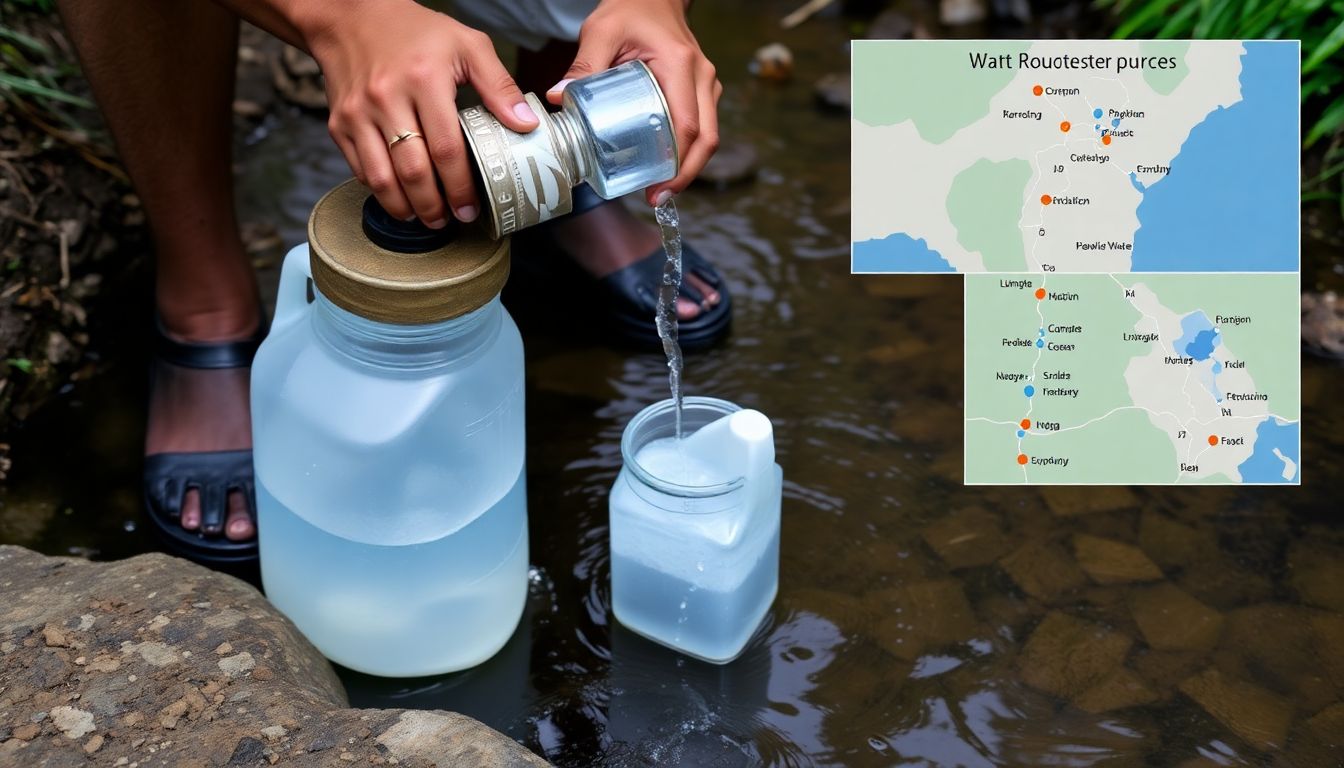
1230	201
897	253
1198	337
1265	467
1217	367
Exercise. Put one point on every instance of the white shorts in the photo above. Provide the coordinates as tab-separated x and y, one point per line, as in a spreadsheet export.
529	23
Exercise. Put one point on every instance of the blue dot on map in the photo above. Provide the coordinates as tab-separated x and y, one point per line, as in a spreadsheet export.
1040	343
1040	332
1097	113
1020	433
1029	390
1115	123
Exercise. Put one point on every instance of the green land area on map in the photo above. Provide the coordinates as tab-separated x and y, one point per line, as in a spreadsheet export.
1135	379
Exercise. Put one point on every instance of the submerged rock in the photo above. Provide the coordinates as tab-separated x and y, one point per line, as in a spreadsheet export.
1066	656
116	663
832	91
1259	717
1111	562
922	616
1118	690
773	62
1171	620
1044	571
966	538
735	161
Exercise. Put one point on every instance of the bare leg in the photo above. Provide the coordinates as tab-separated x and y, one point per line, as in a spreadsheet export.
607	238
162	72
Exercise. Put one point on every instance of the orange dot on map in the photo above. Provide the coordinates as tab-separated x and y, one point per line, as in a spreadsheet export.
1213	439
1026	423
1106	139
1040	293
1021	458
1038	90
1045	199
1065	126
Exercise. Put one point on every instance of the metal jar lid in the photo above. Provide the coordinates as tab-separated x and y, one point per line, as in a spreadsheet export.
366	263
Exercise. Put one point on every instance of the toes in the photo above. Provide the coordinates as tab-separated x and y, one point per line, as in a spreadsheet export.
191	510
687	309
711	295
239	525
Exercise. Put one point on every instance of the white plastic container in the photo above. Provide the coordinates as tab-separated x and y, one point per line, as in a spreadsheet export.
389	455
695	527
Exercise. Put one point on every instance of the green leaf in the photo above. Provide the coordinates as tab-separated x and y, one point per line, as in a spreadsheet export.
24	85
1325	49
1330	122
21	363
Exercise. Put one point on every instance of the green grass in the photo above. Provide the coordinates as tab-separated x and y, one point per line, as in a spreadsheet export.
1319	24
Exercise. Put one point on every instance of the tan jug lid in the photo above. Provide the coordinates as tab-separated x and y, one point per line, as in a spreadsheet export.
390	286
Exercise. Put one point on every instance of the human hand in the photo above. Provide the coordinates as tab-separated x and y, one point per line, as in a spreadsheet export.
393	66
655	31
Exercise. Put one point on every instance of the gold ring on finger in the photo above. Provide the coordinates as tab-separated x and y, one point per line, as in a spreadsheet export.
403	136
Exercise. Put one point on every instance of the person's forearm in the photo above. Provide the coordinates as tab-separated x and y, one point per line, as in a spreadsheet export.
299	22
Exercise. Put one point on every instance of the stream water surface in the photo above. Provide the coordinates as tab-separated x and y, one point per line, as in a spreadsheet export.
919	622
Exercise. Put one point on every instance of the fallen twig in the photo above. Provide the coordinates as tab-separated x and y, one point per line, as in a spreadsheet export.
805	12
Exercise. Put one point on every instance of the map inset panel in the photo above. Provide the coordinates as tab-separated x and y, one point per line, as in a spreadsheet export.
1132	379
1075	156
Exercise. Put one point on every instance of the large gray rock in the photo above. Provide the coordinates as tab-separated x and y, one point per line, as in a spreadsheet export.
157	661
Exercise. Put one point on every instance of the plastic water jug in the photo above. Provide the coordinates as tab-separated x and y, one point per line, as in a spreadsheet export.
695	527
387	418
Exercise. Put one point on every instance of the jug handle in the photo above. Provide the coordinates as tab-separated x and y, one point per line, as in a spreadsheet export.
292	297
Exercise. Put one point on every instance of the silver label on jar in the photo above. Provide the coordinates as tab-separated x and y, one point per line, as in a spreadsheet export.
524	178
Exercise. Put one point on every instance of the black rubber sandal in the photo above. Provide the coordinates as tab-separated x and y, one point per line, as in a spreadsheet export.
168	476
628	296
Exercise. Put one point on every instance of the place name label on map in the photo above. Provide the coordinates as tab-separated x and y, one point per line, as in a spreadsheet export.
1050	461
1070	200
1231	319
1021	285
1059	392
1246	396
1011	114
1086	157
1143	338
1152	170
1005	376
1108	245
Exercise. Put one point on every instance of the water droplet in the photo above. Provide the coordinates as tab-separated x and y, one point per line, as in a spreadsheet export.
128	526
700	566
683	605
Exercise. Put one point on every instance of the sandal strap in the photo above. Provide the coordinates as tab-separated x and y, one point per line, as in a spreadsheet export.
168	476
208	355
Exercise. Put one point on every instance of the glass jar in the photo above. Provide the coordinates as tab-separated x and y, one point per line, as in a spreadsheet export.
694	567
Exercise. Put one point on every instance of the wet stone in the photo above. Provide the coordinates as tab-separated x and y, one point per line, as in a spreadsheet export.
1164	669
1065	656
1317	574
735	161
891	24
773	62
1258	716
177	702
1170	619
1111	562
1118	690
1172	544
1069	501
1044	571
922	616
966	538
832	91
1274	645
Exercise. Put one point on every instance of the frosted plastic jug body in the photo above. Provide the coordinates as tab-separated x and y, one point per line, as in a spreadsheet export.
390	481
694	567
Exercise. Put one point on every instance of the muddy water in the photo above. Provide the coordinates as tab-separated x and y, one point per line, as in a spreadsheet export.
919	622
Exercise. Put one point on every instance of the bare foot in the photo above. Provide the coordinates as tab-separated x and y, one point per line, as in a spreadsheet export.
195	410
609	237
